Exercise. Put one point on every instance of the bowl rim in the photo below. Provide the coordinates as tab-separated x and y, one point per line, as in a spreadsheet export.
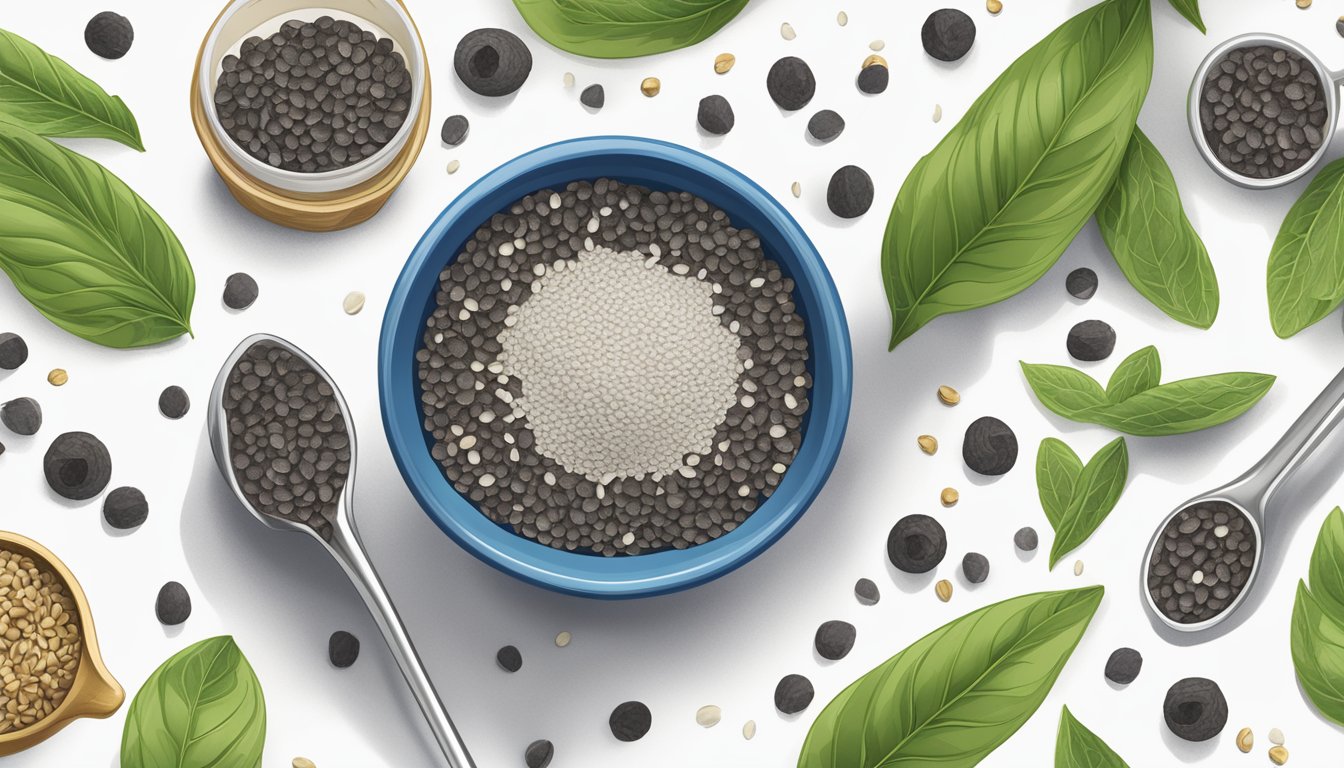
660	572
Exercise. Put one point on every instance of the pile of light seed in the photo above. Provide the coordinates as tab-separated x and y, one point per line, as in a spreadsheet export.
40	643
287	436
587	433
1202	562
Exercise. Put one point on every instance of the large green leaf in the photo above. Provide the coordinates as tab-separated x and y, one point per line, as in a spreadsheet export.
954	696
1317	642
1077	747
1093	490
1327	564
1159	252
1306	265
85	249
1064	390
48	97
1190	10
1139	372
1057	471
202	708
992	207
619	29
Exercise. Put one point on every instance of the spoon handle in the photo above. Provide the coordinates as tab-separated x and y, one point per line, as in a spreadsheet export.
350	552
1297	444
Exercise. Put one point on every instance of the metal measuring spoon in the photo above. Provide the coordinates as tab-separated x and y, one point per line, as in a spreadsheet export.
1251	496
341	539
1330	85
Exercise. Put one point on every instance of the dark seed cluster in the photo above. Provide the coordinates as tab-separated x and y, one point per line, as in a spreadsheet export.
287	436
916	544
948	34
1263	111
1091	340
1202	562
314	96
77	466
1195	709
989	447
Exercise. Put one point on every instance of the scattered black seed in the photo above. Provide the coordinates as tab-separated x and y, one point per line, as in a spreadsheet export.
715	115
873	79
2	449
539	754
1026	539
77	466
826	125
948	34
492	62
240	290
174	402
109	35
989	447
22	416
342	649
1091	340
791	83
835	639
793	694
510	659
1081	283
125	508
975	567
13	351
917	544
867	592
630	721
1202	562
1195	709
850	193
593	97
1123	666
173	605
455	130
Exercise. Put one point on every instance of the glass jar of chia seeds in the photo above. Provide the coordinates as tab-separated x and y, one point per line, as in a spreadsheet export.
312	115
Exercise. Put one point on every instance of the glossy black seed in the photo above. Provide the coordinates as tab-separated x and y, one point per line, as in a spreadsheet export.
77	466
826	125
791	83
539	754
593	97
125	508
240	290
850	193
22	416
715	115
1091	340
13	351
173	605
109	35
342	649
793	694
873	79
1081	283
630	721
867	592
455	130
174	402
509	658
492	62
1123	666
835	639
1195	709
948	34
1026	539
975	567
917	544
989	447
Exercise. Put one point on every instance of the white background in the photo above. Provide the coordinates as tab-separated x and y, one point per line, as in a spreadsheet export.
729	642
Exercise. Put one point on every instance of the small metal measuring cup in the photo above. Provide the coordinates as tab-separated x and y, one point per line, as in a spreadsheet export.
1330	84
1252	494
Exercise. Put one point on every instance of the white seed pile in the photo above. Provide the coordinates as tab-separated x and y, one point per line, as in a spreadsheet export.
40	644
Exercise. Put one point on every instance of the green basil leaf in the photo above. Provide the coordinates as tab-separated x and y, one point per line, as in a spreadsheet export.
1095	493
1077	747
1306	273
48	97
992	207
202	707
1190	10
1139	372
1158	250
88	253
1057	471
1317	642
954	696
1327	565
620	29
1066	391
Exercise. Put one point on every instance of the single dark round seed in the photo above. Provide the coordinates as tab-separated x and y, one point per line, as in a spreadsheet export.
173	605
791	83
867	592
13	351
1081	283
826	125
539	754
630	721
1026	539
975	567
492	62
109	35
240	290
715	115
948	34
989	447
835	639
174	402
342	649
1195	709
873	79
916	544
509	658
1091	340
793	694
1123	666
125	508
77	466
455	130
22	416
850	193
593	97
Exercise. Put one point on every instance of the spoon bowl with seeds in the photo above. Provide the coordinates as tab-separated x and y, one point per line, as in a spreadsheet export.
284	440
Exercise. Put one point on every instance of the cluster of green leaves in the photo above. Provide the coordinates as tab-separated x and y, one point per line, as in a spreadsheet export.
1077	498
1077	747
619	29
1306	270
1136	403
1318	622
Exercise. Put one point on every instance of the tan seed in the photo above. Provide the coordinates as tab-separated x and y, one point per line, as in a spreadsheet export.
949	497
303	762
944	590
569	79
57	377
651	86
563	639
842	18
749	730
724	62
874	60
1279	755
1276	737
796	189
1245	740
937	113
928	444
786	31
354	302
1300	4
1078	568
993	6
708	716
877	45
948	395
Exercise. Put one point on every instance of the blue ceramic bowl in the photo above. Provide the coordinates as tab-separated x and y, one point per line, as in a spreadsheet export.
657	165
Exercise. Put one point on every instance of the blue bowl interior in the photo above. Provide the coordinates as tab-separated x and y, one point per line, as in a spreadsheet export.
656	165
